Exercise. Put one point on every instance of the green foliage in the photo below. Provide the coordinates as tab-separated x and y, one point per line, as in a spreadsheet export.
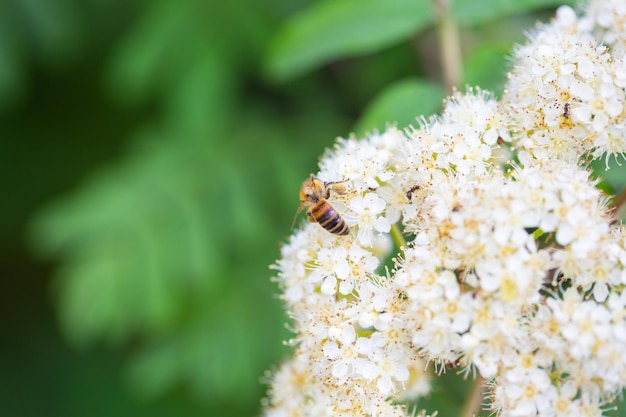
140	218
486	66
49	31
338	28
162	244
612	174
471	12
401	103
448	385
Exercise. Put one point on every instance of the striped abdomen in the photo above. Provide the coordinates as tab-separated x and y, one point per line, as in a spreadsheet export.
323	213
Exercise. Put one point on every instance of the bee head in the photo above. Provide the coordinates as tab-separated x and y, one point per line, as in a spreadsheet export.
312	190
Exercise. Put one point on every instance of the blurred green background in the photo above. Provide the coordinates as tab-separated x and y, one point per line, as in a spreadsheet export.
151	157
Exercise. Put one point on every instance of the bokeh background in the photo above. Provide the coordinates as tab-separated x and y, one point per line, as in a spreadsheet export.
152	152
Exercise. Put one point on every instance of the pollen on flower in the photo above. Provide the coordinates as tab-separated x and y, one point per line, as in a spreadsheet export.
509	290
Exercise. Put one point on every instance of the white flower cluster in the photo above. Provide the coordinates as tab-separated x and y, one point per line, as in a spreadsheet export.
566	94
515	273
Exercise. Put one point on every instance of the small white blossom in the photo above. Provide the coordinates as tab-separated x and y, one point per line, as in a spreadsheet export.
367	213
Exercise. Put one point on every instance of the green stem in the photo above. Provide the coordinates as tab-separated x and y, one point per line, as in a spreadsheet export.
398	238
450	45
473	401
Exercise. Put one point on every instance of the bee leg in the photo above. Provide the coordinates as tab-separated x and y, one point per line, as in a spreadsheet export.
310	217
337	186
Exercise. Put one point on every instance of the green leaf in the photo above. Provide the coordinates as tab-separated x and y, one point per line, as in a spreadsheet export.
402	103
57	27
612	180
618	406
472	12
137	242
486	67
614	174
12	75
151	53
213	350
338	28
173	44
448	388
153	372
167	249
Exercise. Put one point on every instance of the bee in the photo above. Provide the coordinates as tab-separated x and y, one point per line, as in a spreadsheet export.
566	111
313	194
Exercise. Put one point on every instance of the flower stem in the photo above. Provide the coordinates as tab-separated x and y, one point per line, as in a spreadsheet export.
473	401
397	237
449	44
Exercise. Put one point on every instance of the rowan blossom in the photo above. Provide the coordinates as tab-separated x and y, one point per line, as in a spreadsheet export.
566	94
514	271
